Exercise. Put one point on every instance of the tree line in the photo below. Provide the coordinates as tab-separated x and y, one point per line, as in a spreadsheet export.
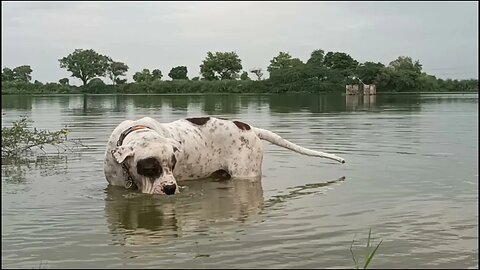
223	72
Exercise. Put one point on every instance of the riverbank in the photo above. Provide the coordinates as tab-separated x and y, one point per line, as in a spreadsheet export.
192	87
201	87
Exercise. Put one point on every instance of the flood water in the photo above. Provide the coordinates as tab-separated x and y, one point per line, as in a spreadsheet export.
411	176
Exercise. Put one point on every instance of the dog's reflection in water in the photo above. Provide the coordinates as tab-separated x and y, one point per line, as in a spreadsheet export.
142	219
136	218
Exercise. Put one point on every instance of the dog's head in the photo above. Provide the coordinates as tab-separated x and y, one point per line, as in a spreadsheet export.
151	160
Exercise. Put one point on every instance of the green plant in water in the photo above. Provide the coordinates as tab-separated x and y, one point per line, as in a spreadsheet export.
370	252
19	140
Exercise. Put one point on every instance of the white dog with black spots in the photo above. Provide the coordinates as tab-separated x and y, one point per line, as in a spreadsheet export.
152	156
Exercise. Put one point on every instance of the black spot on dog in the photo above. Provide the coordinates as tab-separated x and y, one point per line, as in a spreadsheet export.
242	125
198	120
149	167
220	175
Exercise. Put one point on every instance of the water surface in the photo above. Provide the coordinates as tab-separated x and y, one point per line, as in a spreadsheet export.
411	176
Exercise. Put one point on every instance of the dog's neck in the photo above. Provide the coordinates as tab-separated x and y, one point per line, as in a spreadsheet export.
130	184
128	131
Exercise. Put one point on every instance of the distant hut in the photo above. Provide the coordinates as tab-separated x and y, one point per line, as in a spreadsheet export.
360	89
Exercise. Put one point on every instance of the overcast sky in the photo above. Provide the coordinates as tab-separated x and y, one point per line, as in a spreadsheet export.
443	36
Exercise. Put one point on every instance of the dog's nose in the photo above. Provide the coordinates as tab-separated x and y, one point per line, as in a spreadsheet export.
169	189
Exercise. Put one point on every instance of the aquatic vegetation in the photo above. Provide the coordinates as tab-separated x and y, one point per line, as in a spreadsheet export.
370	252
20	140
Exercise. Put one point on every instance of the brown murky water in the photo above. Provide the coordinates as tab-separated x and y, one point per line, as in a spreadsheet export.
411	176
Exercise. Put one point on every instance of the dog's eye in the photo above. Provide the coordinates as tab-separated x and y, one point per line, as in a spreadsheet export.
149	167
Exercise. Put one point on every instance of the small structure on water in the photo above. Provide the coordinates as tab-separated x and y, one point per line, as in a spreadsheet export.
361	89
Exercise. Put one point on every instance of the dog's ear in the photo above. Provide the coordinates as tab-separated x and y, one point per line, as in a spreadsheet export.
122	152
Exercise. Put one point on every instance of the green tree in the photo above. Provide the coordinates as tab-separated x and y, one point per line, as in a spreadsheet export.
85	64
115	70
221	66
156	74
340	60
401	75
368	72
283	60
8	75
63	81
146	76
178	73
96	81
142	76
244	76
315	67
258	72
19	74
427	83
316	58
405	63
22	73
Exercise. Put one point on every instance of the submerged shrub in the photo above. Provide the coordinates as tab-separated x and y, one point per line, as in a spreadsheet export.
20	140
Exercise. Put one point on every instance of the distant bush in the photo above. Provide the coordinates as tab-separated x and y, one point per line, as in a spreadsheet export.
37	88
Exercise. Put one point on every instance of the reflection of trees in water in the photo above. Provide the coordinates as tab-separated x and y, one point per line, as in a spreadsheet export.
14	169
102	104
178	102
18	102
203	205
401	102
315	103
410	102
221	103
360	102
229	103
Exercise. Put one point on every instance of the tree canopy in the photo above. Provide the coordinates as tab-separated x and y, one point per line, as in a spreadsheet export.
283	60
368	72
244	76
405	63
178	73
316	58
19	74
258	72
221	66
85	64
146	76
340	60
323	71
115	70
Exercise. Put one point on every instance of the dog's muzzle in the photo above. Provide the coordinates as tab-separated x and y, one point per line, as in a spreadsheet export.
169	189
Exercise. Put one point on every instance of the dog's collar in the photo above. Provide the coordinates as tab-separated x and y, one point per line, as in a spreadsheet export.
128	131
129	184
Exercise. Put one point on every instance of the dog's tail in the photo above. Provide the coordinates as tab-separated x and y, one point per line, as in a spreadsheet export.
277	140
